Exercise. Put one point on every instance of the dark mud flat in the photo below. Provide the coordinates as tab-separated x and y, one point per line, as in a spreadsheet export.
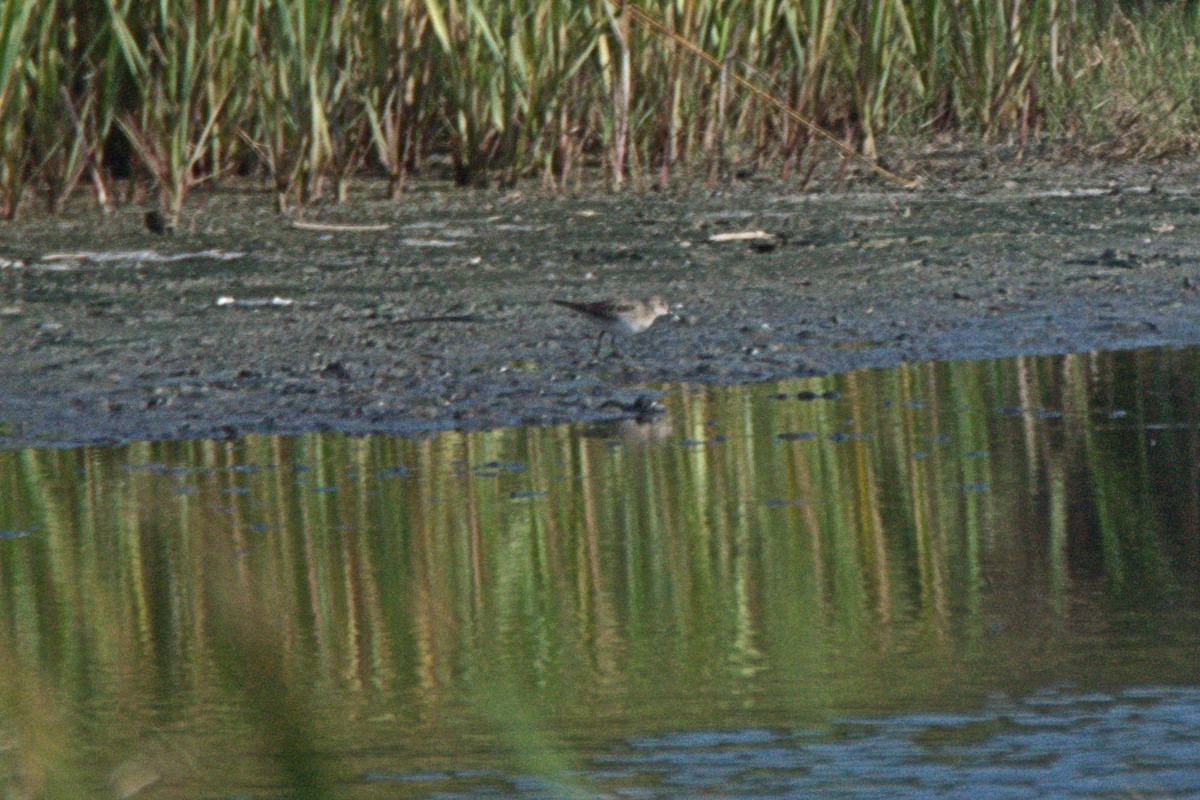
109	333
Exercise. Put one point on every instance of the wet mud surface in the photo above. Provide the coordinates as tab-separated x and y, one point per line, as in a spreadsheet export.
243	323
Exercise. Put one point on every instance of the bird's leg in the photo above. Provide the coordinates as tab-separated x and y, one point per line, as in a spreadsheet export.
599	342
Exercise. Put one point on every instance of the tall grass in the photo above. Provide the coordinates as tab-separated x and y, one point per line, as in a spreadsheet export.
309	94
1133	92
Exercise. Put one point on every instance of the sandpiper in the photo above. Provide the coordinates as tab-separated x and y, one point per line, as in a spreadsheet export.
619	316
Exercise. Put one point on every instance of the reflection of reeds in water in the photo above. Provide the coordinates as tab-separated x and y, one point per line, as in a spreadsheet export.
313	592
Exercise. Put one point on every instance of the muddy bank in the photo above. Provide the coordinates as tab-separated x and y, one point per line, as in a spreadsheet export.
983	260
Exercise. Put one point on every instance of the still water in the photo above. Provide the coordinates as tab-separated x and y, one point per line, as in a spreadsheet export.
974	579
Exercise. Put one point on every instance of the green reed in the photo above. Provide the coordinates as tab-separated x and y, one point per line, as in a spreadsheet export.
16	46
309	94
997	49
184	65
400	43
310	123
54	151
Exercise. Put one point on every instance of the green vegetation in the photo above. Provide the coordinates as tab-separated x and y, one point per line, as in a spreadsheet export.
308	94
220	615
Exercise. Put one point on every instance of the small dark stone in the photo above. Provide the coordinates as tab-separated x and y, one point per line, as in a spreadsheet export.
159	223
336	371
1120	259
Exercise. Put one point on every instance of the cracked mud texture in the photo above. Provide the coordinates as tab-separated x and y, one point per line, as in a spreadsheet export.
986	258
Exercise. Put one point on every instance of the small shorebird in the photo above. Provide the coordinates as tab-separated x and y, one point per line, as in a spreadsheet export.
619	316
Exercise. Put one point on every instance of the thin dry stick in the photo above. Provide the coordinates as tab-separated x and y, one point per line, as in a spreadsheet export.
645	18
333	226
